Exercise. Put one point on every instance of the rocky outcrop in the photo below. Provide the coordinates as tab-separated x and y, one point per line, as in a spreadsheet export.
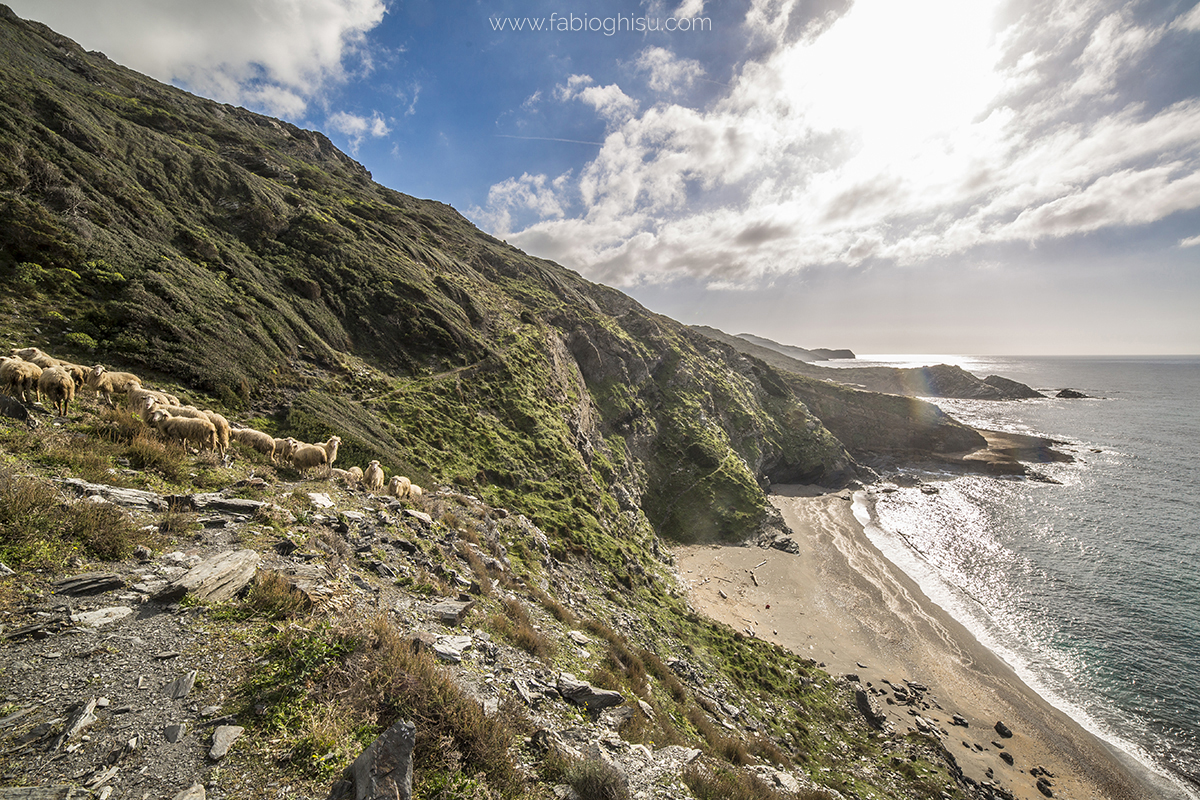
870	423
1012	390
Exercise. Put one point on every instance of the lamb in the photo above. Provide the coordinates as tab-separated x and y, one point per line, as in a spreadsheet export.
15	410
356	473
59	387
19	377
307	456
185	429
109	383
415	492
373	477
399	486
257	440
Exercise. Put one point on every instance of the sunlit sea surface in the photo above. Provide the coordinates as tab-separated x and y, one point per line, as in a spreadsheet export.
1090	588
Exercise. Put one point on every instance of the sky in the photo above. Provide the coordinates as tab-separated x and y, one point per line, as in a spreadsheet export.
934	176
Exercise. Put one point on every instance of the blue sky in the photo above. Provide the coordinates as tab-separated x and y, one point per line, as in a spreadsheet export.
999	176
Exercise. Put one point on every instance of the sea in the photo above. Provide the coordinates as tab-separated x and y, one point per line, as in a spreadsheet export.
1088	583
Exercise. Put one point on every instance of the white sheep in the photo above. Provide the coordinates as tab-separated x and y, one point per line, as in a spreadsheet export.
308	456
398	486
373	477
284	449
109	383
185	429
57	385
415	492
152	404
35	356
78	373
223	430
19	378
344	475
137	398
356	473
255	439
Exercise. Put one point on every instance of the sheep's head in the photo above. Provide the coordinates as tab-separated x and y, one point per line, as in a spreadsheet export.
98	370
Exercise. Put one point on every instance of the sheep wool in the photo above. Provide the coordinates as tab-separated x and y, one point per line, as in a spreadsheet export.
57	385
257	440
185	429
373	477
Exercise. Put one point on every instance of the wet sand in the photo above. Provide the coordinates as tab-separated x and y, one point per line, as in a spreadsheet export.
840	602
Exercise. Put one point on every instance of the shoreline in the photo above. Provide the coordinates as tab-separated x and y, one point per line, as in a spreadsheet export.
841	602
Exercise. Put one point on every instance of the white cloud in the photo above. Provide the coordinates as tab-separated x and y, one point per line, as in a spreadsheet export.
668	74
516	196
609	101
275	55
1190	242
358	128
896	131
1189	21
689	9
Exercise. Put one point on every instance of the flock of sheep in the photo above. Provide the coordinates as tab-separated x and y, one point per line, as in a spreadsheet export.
30	375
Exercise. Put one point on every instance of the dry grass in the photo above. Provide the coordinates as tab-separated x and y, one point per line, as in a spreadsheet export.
719	783
273	597
591	780
516	626
478	568
332	688
39	528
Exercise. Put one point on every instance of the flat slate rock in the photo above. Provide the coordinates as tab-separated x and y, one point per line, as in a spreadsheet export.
43	793
584	694
419	515
223	738
215	501
181	686
384	771
452	612
89	583
101	616
193	792
126	498
219	578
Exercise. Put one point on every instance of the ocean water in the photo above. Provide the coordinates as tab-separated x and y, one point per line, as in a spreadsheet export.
1089	587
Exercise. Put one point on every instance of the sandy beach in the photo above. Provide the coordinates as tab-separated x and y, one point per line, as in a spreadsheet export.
840	602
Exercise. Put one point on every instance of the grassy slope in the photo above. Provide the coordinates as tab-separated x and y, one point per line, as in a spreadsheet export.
240	256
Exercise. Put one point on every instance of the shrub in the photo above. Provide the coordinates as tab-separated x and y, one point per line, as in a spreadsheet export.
273	597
